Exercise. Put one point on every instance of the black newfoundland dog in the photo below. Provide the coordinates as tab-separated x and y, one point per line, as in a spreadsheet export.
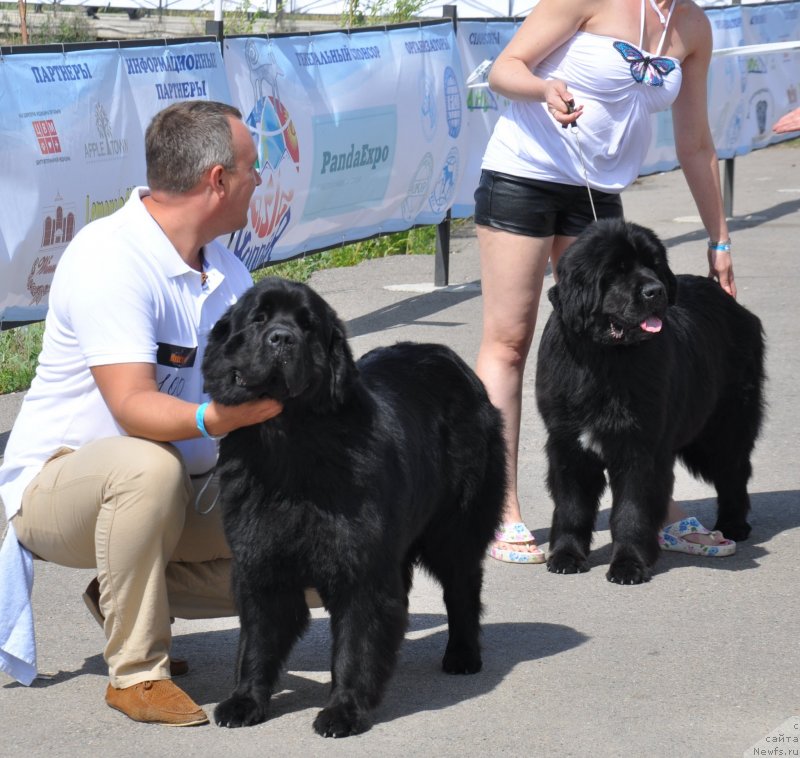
371	468
635	367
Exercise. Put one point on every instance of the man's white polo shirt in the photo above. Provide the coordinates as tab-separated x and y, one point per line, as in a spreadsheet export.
120	294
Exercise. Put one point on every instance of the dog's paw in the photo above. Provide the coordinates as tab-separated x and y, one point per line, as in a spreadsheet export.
628	570
460	659
341	720
737	531
566	562
239	710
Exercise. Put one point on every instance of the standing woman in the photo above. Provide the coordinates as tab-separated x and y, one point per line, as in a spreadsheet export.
605	66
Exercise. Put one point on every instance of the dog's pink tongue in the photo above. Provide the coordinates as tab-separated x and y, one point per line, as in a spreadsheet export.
651	324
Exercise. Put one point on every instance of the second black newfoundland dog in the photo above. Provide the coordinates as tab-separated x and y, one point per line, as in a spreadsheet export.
370	469
635	368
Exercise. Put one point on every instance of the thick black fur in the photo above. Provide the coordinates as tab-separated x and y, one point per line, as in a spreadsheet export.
618	398
370	469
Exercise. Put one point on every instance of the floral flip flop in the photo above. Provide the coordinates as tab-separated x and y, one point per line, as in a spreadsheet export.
672	538
515	533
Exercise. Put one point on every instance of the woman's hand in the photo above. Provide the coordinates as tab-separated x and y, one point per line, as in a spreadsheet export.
560	102
720	267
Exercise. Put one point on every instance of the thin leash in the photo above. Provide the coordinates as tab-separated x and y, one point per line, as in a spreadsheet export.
574	130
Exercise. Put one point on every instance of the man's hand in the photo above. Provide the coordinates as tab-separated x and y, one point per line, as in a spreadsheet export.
132	396
221	419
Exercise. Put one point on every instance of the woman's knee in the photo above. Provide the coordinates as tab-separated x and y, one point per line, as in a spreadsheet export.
507	347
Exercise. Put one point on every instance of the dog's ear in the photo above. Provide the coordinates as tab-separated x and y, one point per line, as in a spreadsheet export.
222	329
669	280
212	360
555	300
671	284
342	366
573	298
664	271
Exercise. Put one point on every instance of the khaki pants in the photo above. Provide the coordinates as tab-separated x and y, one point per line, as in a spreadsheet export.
126	507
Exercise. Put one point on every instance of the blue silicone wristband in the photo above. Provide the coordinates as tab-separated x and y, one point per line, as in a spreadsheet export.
722	247
200	417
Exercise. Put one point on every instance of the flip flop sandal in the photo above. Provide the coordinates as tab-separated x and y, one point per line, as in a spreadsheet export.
672	538
515	533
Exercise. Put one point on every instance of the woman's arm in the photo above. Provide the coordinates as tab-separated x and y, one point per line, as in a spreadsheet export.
696	152
548	25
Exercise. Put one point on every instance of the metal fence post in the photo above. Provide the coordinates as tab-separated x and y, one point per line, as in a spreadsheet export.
727	188
441	276
214	29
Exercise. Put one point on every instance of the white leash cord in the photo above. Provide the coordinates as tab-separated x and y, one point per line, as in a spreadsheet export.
199	497
574	130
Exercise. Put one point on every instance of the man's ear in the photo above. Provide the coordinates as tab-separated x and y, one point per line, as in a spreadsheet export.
216	179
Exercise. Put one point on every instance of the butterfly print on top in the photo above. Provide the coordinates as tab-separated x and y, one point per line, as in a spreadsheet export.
644	68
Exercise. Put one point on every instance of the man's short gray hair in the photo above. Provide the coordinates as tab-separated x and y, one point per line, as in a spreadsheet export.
186	139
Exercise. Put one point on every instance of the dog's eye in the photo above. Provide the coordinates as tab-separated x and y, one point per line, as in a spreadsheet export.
304	318
259	317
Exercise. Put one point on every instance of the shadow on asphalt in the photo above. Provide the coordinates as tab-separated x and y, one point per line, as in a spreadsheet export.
737	223
771	513
418	683
413	310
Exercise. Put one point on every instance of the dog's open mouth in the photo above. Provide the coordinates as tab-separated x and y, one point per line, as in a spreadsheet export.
277	385
651	325
259	390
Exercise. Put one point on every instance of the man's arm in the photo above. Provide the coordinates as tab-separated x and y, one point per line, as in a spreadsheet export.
131	394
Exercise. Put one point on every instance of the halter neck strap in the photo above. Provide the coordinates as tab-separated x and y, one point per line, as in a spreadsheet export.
664	23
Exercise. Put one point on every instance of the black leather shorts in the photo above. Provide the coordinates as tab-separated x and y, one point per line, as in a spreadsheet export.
539	209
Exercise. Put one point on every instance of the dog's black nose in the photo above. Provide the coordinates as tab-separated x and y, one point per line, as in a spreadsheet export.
280	338
652	290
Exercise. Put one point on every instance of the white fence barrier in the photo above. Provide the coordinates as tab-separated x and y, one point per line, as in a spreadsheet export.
358	134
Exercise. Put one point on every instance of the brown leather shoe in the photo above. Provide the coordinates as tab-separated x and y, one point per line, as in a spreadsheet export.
91	596
156	702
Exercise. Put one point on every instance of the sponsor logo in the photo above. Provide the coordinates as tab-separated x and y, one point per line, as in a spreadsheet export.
445	187
756	65
278	161
58	228
452	100
43	268
49	141
366	155
47	136
100	208
481	100
58	224
106	146
418	188
175	356
428	112
353	158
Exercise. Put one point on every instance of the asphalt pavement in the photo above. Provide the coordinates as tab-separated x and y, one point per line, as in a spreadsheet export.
701	661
